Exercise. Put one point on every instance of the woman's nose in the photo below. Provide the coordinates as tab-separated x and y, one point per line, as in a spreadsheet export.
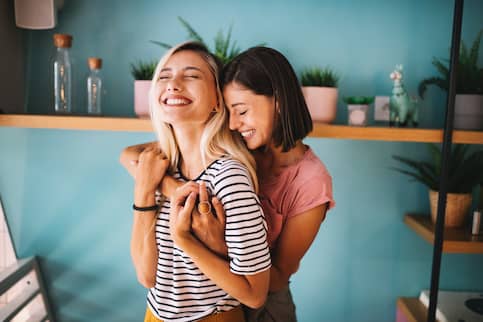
173	85
234	122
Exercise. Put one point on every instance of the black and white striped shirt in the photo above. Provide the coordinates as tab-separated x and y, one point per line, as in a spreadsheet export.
182	292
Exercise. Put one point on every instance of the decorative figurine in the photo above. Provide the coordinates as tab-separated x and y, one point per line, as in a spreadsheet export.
403	110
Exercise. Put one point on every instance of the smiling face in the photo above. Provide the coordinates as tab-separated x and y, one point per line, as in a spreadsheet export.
251	115
186	89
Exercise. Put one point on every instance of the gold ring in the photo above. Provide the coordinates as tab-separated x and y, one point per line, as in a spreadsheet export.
204	207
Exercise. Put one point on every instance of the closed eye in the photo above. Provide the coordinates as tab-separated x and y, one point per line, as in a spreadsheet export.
242	112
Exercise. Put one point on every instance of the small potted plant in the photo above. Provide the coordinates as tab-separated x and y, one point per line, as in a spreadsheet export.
469	86
319	86
142	73
465	172
358	108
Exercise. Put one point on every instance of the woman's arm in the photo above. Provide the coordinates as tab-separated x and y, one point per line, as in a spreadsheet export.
130	156
129	160
251	290
144	253
292	245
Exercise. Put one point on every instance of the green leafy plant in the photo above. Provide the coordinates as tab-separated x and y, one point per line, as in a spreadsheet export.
224	48
143	70
358	100
465	169
469	77
322	77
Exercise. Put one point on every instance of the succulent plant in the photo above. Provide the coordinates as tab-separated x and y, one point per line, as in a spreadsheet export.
358	100
143	70
322	77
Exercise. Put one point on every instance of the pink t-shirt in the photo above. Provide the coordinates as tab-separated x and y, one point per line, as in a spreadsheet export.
299	188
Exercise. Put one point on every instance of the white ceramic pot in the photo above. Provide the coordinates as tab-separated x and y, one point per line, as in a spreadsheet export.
357	114
322	103
468	112
141	98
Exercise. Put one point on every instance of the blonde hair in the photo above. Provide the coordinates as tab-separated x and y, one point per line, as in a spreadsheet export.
217	140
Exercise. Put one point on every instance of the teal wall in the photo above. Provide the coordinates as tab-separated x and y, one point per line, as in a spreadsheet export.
67	199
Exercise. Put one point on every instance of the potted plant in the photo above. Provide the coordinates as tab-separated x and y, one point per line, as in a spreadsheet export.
319	86
465	172
469	86
142	73
358	108
224	48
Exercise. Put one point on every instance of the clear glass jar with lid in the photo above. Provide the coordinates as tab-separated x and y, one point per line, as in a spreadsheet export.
62	69
94	86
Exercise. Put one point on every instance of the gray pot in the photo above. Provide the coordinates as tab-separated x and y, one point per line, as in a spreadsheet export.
468	112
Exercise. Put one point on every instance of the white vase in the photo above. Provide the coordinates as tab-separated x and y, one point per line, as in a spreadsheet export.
322	103
468	112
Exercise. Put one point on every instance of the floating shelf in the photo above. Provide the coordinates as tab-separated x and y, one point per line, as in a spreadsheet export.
456	240
412	309
320	130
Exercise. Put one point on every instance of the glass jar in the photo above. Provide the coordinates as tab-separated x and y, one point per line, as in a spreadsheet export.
94	86
62	74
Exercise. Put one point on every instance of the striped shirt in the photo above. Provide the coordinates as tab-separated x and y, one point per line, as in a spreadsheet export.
182	292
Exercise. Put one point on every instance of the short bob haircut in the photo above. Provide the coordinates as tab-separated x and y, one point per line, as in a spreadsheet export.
267	72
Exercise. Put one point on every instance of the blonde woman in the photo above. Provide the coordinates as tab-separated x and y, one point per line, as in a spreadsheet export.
187	281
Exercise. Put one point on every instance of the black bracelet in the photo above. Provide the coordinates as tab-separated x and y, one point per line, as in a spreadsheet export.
150	208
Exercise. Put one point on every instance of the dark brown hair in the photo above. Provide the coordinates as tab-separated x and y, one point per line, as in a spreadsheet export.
267	72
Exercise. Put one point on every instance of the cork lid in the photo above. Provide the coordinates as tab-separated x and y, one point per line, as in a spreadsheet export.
94	63
62	40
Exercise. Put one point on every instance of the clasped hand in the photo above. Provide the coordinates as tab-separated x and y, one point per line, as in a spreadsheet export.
187	222
150	170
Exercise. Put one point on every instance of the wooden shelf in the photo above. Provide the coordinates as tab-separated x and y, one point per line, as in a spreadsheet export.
412	309
68	122
456	240
71	122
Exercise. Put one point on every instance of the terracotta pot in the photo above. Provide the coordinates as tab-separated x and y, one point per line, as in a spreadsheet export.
457	207
322	103
141	98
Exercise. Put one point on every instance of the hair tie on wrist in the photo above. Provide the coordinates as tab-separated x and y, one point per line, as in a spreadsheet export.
149	208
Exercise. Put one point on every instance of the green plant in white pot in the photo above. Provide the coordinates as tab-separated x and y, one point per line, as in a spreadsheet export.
143	73
319	86
357	109
465	172
469	86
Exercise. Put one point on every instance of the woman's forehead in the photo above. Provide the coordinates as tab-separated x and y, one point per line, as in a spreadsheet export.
187	59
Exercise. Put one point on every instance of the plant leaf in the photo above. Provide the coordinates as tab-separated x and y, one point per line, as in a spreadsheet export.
473	55
192	33
162	44
438	81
